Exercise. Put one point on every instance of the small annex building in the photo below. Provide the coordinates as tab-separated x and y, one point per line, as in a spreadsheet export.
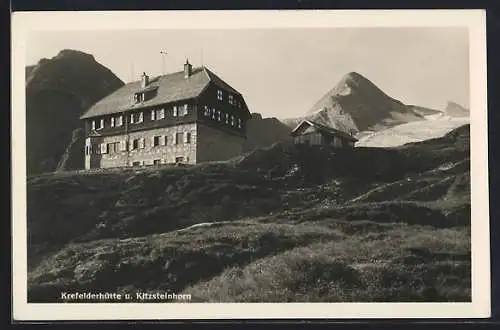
309	132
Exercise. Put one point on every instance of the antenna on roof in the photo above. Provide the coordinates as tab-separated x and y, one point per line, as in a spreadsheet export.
163	53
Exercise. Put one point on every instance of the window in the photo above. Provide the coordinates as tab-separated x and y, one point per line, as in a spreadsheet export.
227	118
231	99
178	138
156	141
119	121
104	148
101	125
157	114
206	111
239	122
139	97
187	137
185	110
219	115
232	120
157	162
175	111
136	118
123	145
135	144
179	159
112	121
213	113
136	163
113	147
219	95
87	150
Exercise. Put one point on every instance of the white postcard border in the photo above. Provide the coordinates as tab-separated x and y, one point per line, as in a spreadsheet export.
24	22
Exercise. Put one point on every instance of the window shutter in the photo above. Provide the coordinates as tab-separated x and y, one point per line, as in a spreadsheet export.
153	114
123	145
143	142
140	117
152	141
112	121
162	113
131	118
93	124
102	123
186	137
164	140
119	121
175	139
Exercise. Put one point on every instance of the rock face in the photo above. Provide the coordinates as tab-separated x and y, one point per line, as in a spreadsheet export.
71	159
58	90
455	110
355	104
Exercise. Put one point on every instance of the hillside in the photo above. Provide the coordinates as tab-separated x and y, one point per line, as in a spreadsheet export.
355	104
58	90
277	224
263	132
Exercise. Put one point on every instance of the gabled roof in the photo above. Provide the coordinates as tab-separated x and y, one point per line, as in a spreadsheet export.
170	88
323	128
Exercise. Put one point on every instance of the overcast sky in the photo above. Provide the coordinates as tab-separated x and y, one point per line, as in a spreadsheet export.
282	72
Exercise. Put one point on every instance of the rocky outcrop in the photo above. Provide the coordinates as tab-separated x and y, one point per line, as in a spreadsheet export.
58	90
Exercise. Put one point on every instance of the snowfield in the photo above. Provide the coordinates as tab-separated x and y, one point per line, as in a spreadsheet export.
433	127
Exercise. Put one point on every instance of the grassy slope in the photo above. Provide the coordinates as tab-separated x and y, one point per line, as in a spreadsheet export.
279	224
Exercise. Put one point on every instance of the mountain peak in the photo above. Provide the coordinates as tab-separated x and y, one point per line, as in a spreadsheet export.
353	75
357	104
72	53
454	109
354	82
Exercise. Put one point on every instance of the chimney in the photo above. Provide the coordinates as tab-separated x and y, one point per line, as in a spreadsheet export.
187	69
144	80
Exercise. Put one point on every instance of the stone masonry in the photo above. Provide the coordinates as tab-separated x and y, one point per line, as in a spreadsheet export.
104	155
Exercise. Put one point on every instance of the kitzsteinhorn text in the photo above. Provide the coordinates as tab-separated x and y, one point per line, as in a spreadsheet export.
142	296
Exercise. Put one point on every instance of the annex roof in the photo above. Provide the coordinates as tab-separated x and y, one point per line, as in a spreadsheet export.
326	129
